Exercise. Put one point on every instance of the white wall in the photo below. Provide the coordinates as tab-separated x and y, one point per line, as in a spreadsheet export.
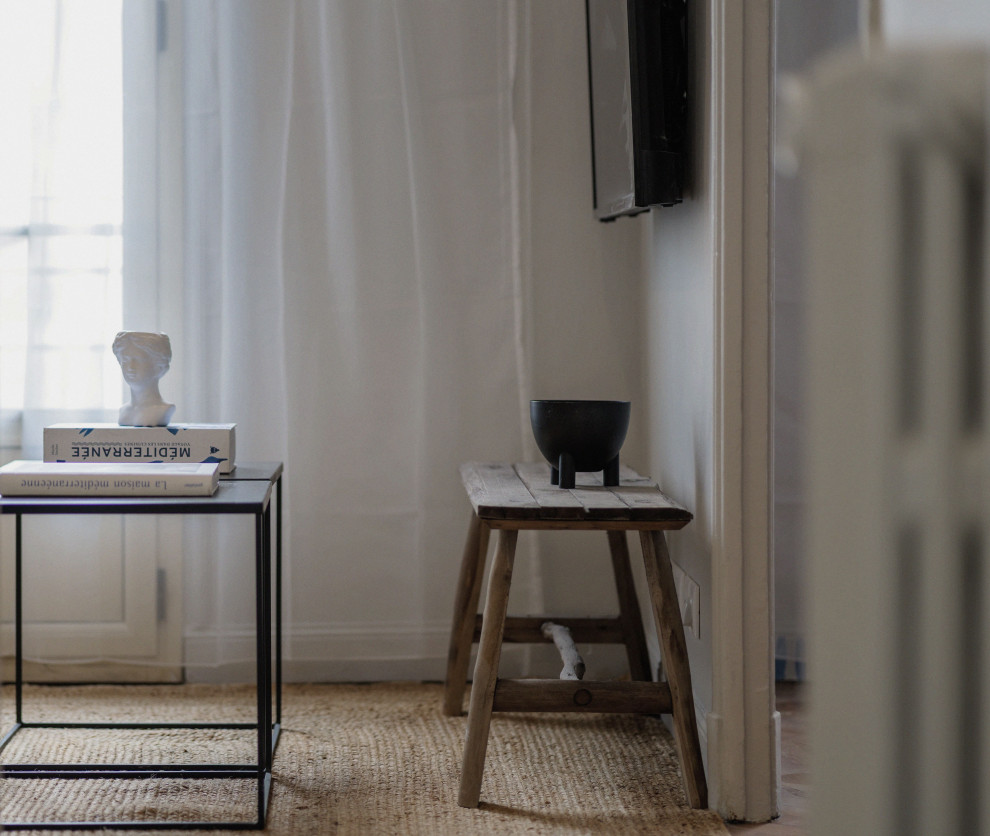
585	281
707	307
680	347
924	21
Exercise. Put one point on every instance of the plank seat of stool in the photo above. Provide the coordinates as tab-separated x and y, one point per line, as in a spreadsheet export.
509	498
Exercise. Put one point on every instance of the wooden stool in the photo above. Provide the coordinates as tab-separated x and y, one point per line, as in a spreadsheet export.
510	498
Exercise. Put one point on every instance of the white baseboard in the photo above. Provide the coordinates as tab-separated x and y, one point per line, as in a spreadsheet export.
369	653
324	653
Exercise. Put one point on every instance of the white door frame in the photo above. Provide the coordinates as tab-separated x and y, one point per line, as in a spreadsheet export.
743	726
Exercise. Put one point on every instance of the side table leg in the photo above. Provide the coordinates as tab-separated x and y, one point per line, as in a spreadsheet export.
486	670
263	651
18	624
278	606
465	615
670	631
630	616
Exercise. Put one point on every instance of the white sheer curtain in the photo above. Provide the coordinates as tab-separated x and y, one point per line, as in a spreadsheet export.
60	216
355	298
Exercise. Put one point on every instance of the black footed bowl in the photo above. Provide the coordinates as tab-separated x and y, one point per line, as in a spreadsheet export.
580	436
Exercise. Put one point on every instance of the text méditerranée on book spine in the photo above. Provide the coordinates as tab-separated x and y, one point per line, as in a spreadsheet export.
204	443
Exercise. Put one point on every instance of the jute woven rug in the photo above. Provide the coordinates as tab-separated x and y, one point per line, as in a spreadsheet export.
353	759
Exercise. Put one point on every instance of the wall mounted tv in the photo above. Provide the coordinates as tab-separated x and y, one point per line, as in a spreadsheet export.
637	68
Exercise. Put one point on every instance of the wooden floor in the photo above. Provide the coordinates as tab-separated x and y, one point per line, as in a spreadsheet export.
794	768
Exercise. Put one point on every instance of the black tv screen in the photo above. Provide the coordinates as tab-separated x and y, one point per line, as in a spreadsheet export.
637	67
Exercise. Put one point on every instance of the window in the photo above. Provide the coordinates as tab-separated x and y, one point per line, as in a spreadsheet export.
61	210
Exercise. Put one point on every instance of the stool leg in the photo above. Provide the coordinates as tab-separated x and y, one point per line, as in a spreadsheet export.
629	614
670	631
465	615
486	670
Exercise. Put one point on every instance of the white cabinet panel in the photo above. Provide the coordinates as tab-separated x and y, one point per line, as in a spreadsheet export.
97	591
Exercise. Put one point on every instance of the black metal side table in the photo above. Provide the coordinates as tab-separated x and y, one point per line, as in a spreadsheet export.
247	490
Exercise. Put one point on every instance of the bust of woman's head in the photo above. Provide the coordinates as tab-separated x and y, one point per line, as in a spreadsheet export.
144	357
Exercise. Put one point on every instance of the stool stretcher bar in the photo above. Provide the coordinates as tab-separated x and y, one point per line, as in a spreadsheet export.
576	695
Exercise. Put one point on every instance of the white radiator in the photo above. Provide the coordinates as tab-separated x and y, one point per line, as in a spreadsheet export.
893	161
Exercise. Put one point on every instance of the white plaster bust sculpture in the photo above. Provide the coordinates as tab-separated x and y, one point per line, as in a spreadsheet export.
144	358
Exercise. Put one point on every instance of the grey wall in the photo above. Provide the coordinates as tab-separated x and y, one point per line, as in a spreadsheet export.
679	341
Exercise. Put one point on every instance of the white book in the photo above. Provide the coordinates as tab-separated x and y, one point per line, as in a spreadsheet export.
177	443
34	478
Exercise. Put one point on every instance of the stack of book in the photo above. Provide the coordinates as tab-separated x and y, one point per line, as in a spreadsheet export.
111	460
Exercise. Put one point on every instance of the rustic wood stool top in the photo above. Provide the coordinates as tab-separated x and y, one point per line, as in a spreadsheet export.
521	496
509	498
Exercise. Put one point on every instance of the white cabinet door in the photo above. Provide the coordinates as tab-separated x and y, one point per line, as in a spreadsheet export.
101	597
